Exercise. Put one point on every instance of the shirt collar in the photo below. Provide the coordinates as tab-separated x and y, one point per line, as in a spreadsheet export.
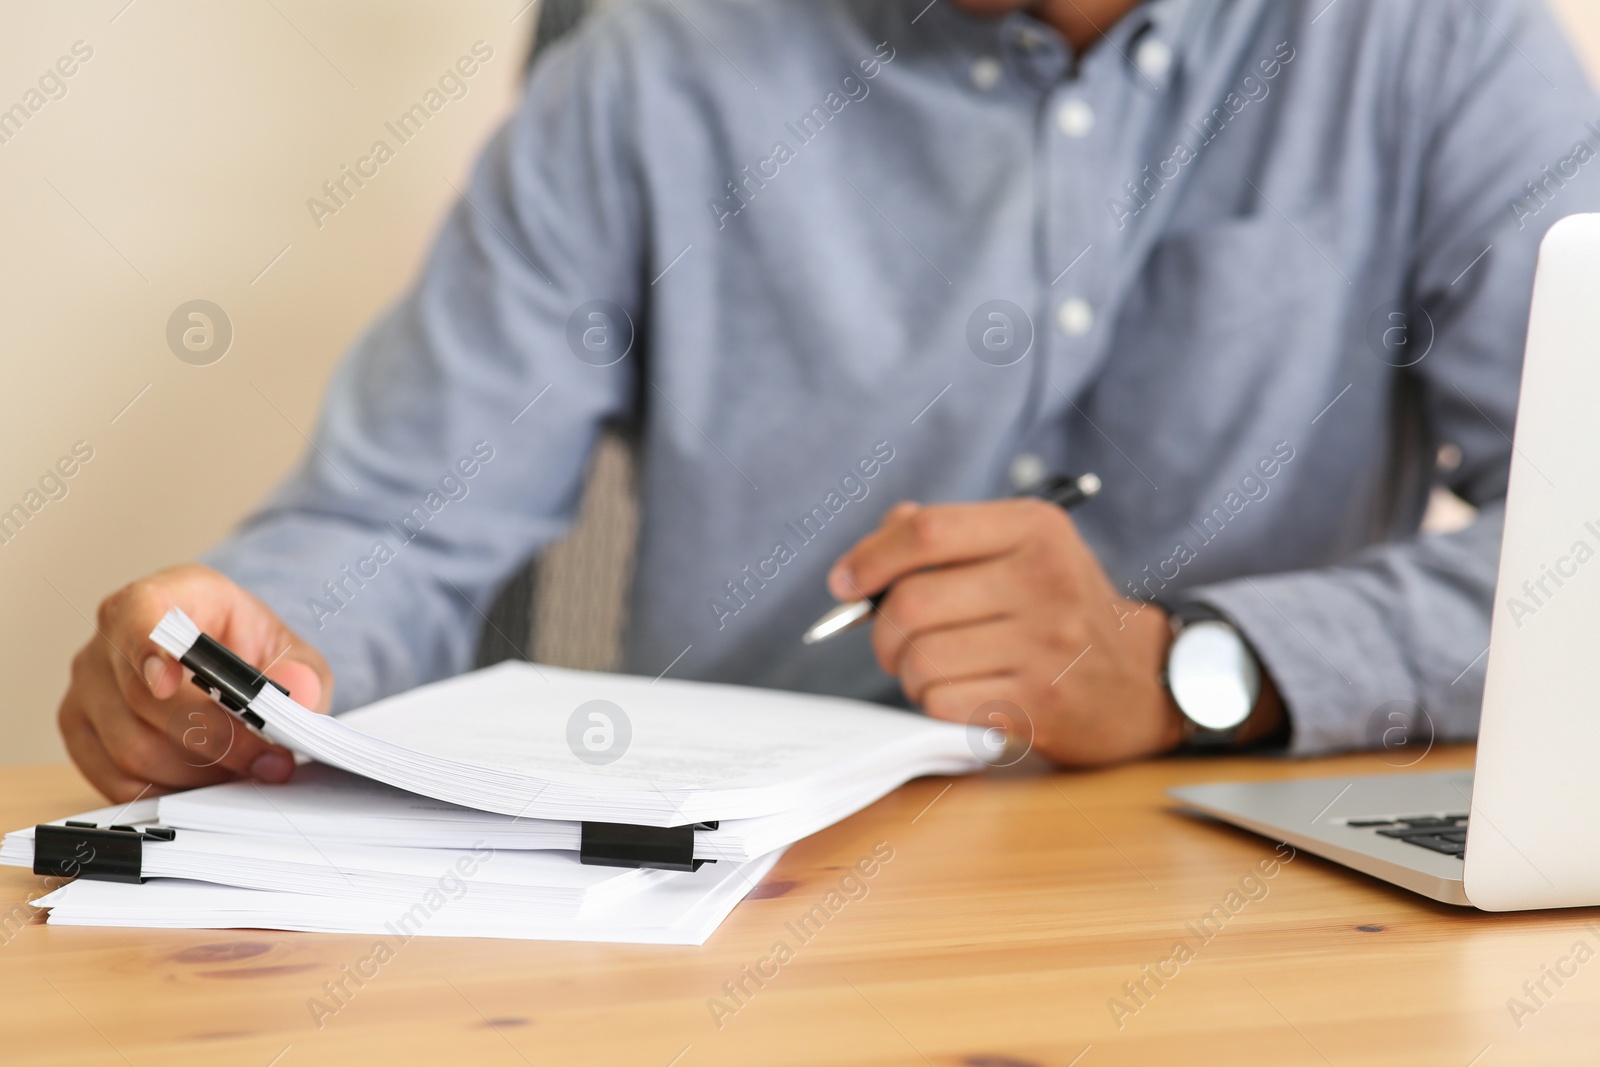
1148	38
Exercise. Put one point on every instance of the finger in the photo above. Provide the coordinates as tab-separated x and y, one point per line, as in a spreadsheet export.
91	757
194	742
141	751
934	536
933	600
203	734
301	680
300	670
144	674
843	587
958	654
283	657
965	701
148	678
213	736
184	740
900	511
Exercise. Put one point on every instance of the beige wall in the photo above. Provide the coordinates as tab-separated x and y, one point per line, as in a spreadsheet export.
177	166
1583	19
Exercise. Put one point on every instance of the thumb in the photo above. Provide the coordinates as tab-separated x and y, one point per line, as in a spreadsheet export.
304	684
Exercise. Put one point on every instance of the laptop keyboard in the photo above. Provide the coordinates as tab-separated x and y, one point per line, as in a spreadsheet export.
1437	833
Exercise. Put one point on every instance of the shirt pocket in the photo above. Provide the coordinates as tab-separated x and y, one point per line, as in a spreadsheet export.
1237	284
1232	338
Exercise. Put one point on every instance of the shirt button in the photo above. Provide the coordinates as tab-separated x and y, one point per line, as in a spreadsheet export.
1075	118
1075	317
1154	59
1027	472
986	72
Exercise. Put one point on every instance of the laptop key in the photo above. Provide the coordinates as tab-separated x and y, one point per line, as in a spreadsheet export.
1405	833
1437	843
1433	841
1445	834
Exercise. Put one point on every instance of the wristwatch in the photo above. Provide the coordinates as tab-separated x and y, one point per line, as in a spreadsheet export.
1212	675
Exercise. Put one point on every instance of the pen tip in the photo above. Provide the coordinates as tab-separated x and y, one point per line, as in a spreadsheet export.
1089	484
843	617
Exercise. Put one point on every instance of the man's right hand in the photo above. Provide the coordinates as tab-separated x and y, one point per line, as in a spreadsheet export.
134	723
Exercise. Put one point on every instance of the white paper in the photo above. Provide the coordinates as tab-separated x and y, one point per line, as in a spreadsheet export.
497	740
682	911
330	804
326	804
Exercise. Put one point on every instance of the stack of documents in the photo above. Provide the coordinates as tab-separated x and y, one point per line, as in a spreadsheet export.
486	805
214	880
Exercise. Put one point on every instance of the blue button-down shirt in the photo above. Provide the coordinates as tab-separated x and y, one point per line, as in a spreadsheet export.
1254	261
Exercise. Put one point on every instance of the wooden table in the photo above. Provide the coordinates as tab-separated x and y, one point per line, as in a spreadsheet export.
1001	933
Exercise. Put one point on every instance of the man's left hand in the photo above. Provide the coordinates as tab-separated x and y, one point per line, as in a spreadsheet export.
1004	601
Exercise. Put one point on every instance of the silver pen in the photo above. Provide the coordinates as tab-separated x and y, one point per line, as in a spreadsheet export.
1064	492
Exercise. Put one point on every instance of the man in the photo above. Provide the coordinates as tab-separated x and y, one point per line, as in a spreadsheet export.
1252	261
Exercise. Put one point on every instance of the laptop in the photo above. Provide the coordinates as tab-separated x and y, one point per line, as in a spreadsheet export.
1519	831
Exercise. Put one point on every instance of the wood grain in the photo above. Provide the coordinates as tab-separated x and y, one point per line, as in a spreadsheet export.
1013	910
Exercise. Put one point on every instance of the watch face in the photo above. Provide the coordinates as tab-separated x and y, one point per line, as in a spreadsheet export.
1213	675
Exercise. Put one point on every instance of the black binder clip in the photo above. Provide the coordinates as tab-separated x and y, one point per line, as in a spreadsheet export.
667	848
229	680
82	850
